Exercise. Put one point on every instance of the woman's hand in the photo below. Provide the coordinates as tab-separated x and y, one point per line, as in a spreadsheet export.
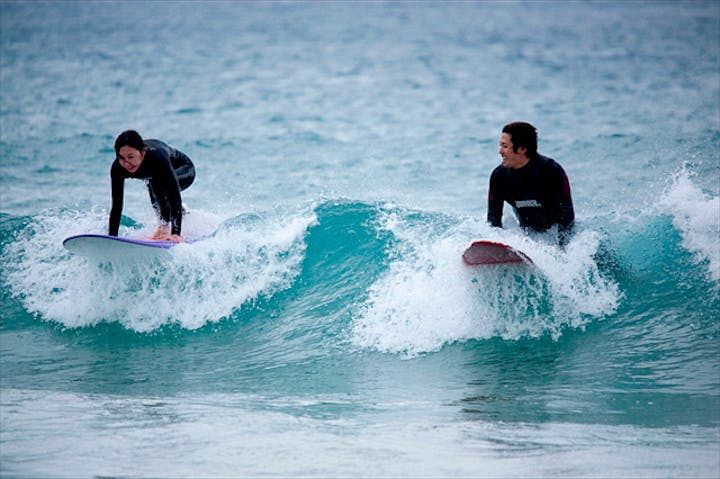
162	233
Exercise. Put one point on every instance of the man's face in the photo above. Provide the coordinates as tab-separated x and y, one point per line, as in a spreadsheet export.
510	158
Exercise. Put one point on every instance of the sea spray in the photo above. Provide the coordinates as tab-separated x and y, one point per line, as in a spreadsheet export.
429	298
696	214
244	259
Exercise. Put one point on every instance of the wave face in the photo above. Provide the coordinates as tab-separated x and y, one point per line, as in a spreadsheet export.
380	266
378	263
378	276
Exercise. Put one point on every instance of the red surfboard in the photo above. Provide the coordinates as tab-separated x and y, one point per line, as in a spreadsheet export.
485	252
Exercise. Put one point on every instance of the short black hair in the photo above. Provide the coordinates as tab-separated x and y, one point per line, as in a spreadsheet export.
522	134
129	138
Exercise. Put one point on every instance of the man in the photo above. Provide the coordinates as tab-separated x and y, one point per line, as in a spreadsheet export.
166	171
535	186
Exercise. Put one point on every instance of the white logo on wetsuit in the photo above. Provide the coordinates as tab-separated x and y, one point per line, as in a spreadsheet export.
527	204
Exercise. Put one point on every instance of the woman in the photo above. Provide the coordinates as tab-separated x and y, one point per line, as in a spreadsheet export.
166	171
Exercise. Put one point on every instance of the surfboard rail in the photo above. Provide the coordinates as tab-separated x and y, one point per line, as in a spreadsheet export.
165	244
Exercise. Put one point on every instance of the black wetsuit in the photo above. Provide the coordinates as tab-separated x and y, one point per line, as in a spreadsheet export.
539	192
166	171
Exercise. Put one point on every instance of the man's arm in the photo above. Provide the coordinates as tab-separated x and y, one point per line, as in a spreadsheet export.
564	214
495	200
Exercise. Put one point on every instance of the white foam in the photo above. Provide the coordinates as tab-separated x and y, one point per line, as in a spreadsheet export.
195	284
429	298
697	216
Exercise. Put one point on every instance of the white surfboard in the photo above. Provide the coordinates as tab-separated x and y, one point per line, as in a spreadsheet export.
104	246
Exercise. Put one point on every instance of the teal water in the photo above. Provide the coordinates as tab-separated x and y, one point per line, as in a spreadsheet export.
327	326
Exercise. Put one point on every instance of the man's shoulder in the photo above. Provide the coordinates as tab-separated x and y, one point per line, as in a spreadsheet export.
549	165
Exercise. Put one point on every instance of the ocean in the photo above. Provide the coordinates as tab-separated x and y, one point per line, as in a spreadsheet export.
326	326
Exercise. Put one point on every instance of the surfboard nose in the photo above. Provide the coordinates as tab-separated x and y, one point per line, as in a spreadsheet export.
484	252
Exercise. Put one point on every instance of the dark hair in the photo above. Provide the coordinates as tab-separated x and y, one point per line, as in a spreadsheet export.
129	138
522	134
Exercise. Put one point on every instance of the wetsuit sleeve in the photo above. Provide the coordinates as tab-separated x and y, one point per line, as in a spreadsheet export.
164	184
496	199
561	208
566	213
117	186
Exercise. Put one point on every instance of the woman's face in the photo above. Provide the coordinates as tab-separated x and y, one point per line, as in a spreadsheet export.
131	158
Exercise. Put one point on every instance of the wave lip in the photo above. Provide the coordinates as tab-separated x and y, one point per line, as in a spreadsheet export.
697	216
